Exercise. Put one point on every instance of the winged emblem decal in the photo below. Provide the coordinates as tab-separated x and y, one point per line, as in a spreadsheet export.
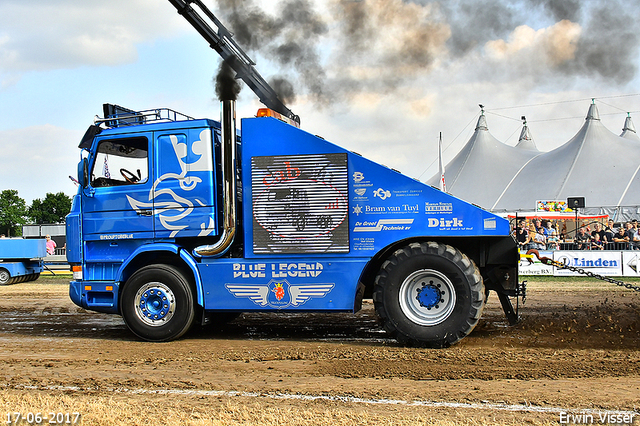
279	294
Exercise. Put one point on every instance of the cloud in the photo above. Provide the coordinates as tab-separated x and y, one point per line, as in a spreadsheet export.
37	160
44	35
532	55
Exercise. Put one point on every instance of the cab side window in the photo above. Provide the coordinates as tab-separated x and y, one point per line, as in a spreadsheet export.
121	162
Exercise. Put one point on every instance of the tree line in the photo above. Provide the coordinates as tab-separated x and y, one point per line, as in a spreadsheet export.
14	211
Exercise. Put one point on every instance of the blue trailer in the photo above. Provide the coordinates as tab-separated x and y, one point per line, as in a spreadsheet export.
21	259
180	221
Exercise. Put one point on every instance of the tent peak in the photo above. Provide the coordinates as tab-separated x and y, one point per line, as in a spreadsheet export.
526	141
629	130
482	120
628	124
593	113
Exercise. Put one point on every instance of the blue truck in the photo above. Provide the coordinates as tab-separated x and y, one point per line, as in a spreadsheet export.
21	259
180	221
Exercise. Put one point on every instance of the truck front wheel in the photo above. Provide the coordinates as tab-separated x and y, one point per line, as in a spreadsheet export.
5	277
157	303
429	294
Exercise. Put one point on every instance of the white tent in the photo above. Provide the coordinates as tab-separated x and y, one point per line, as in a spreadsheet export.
484	166
596	164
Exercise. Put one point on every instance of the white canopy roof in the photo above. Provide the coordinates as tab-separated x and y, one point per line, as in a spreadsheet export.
595	164
484	166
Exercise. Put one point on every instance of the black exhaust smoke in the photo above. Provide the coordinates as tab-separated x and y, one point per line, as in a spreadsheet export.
227	87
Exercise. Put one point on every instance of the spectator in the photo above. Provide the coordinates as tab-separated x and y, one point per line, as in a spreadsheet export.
522	236
538	240
51	245
621	238
609	230
633	236
548	229
553	241
563	232
596	242
582	239
599	231
538	225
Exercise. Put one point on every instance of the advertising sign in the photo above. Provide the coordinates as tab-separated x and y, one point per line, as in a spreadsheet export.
598	262
631	264
552	206
532	266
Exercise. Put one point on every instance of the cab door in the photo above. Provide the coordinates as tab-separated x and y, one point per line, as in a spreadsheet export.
185	190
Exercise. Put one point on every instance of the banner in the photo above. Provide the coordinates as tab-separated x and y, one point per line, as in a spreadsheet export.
552	206
631	264
532	266
600	262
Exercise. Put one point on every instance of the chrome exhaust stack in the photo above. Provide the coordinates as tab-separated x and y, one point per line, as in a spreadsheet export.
228	171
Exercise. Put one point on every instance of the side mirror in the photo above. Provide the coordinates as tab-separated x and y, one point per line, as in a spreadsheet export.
83	172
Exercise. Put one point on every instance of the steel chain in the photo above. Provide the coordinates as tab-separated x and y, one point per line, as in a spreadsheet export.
592	275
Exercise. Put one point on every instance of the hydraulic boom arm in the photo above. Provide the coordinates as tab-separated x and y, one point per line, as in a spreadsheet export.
221	40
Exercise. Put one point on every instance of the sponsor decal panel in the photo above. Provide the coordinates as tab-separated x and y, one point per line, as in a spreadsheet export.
490	223
438	208
383	225
448	223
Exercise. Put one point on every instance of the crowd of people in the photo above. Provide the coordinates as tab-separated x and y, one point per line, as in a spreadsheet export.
549	235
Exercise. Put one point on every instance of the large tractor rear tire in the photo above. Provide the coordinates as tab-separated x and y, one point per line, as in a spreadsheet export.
429	295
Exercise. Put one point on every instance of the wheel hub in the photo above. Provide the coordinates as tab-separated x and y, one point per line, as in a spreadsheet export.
429	296
155	304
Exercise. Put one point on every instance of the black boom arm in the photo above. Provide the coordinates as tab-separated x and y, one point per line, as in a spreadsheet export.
221	40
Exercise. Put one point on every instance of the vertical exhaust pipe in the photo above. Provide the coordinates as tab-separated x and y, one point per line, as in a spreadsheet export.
228	171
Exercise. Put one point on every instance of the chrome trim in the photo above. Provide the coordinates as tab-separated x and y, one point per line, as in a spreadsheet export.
228	163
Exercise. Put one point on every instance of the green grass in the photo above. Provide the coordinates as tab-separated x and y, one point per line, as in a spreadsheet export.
53	279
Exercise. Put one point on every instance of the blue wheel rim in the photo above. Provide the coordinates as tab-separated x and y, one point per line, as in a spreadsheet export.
155	304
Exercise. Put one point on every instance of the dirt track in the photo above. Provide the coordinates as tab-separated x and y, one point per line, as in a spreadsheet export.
577	347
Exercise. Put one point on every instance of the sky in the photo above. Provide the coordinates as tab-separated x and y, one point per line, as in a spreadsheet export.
380	77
